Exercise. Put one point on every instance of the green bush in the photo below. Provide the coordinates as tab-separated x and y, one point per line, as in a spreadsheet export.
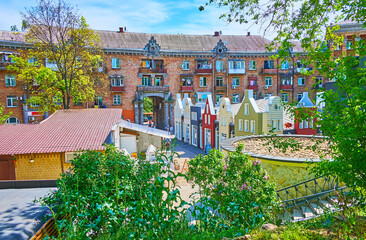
236	195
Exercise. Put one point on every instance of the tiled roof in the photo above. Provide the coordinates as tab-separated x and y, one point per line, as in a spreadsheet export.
63	131
169	42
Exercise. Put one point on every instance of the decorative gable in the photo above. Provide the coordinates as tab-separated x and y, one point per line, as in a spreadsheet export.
152	47
220	49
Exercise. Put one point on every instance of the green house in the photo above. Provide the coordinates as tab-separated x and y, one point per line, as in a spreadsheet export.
257	117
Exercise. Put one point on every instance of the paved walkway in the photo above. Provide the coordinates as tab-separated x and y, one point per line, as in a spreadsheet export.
187	151
19	216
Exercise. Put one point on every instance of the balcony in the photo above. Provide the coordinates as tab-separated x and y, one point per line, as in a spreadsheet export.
269	70
303	70
220	88
152	70
236	71
153	88
187	88
203	71
117	88
253	87
286	87
4	65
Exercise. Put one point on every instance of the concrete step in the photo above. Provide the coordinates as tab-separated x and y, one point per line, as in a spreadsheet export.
308	211
319	210
297	215
328	205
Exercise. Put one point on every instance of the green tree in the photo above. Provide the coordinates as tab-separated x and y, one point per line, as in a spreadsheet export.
63	54
3	116
148	105
343	119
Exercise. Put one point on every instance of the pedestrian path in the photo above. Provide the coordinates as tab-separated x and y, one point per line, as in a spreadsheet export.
187	151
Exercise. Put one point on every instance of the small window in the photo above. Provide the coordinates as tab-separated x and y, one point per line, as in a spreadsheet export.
146	81
279	125
286	80
349	45
115	63
268	64
268	81
203	82
98	101
12	120
236	98
185	65
11	101
9	80
273	125
284	97
236	82
218	96
311	123
301	125
219	82
306	124
246	109
116	99
208	119
252	65
252	126
33	61
246	125
240	124
301	81
187	81
284	65
116	82
219	65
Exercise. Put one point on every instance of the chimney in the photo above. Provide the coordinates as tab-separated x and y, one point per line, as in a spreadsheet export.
217	33
248	34
122	29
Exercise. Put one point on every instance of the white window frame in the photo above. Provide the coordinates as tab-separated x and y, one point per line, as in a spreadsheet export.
246	109
273	125
284	65
236	82
268	81
252	65
115	63
9	118
208	119
301	81
236	98
146	79
240	124
301	125
203	82
279	124
10	80
246	125
298	96
116	82
185	65
117	99
284	97
252	126
12	100
220	80
306	124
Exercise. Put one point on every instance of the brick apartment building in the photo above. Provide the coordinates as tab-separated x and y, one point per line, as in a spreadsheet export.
159	66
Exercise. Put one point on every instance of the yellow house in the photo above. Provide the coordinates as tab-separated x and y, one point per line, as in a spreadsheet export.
44	150
226	113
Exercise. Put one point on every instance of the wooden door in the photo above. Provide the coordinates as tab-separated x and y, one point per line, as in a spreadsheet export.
7	168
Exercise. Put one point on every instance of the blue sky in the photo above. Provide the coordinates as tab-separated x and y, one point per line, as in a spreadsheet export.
150	16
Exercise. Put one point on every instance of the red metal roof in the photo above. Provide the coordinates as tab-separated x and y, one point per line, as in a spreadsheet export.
64	131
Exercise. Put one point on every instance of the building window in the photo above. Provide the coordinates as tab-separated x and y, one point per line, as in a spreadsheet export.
236	64
236	82
286	80
236	98
300	65
9	80
208	119
32	61
146	81
219	65
319	82
284	97
252	83
268	64
337	46
218	96
219	82
301	125
301	81
203	82
116	99
116	82
299	96
273	125
223	136
252	126
203	65
240	124
268	81
201	98
279	125
349	45
306	124
284	65
11	101
187	81
98	101
252	65
12	120
185	65
246	109
246	125
157	81
6	58
311	123
115	63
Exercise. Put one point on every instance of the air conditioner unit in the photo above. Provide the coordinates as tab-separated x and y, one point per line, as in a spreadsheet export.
265	87
20	98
